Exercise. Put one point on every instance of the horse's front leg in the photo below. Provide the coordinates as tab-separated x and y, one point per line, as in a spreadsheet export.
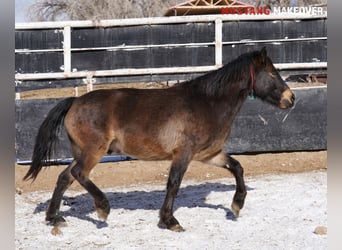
240	193
228	162
179	166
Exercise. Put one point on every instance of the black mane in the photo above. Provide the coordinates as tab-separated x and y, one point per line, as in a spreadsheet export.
215	82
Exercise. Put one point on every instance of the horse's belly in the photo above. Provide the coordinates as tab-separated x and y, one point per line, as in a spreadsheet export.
140	149
147	154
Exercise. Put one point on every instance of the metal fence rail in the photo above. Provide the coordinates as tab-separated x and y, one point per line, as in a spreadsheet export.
65	58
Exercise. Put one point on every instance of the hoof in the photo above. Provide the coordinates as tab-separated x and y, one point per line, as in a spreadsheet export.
102	209
238	202
235	209
175	228
56	221
102	214
56	231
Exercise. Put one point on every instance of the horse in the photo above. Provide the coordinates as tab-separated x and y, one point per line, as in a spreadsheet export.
188	121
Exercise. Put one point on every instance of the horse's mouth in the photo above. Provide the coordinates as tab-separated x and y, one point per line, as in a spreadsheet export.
287	99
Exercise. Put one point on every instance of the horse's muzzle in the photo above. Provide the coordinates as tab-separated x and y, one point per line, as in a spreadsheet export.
287	99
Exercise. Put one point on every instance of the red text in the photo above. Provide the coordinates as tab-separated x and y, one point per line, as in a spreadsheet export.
246	10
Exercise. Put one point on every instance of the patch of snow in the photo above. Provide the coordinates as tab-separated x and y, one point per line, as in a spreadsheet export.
280	212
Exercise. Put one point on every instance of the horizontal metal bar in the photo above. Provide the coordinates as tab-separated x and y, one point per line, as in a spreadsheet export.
128	47
115	72
120	47
149	71
308	65
163	20
281	40
309	87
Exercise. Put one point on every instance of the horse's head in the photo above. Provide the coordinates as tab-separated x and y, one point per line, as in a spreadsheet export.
267	83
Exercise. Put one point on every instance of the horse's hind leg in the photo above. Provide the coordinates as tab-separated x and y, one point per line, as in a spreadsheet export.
65	179
228	162
81	172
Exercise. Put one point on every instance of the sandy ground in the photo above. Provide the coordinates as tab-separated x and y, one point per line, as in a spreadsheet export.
286	206
282	211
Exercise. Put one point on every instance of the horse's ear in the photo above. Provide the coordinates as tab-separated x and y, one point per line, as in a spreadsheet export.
263	55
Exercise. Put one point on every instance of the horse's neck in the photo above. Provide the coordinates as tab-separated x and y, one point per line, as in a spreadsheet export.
228	106
225	101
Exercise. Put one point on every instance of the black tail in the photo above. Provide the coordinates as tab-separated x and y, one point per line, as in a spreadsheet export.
47	137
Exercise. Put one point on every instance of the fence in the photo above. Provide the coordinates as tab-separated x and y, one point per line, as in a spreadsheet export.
159	49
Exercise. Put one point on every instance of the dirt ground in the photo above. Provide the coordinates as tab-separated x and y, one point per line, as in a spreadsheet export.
128	173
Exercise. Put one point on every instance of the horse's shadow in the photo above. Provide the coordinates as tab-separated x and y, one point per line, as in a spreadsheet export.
81	206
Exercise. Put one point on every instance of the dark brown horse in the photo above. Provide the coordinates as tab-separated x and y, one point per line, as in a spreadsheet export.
189	121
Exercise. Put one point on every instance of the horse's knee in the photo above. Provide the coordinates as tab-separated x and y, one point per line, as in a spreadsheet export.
175	179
